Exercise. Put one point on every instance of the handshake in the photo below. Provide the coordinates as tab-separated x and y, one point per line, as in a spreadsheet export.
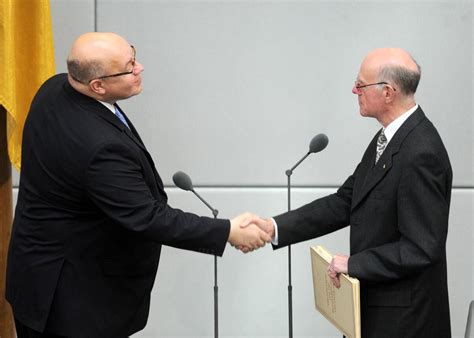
249	232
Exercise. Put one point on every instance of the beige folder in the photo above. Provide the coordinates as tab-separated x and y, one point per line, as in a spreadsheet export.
340	306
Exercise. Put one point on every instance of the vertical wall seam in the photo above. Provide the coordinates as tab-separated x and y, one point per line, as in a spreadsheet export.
95	15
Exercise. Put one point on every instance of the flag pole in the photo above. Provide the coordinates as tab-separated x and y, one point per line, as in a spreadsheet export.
7	329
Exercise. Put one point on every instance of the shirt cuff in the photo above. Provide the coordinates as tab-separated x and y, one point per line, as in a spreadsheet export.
275	235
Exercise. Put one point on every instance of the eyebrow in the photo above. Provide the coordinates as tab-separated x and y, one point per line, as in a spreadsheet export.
131	59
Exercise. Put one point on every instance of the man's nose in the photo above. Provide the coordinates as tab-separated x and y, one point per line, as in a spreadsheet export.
138	68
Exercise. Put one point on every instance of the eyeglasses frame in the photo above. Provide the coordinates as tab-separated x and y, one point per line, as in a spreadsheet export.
359	91
122	73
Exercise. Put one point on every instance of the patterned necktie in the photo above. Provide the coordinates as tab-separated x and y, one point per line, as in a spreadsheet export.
381	144
121	117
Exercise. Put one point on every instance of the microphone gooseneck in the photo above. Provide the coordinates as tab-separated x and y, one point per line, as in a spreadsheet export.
318	143
183	181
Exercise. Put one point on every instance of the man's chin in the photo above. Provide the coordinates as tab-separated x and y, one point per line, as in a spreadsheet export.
137	91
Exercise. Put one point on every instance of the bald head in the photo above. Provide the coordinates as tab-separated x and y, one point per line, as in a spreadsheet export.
93	54
395	66
391	56
104	66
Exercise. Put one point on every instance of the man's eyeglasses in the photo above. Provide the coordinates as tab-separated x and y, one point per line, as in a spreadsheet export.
358	86
134	53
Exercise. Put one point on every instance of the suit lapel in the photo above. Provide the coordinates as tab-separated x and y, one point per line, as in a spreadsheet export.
371	175
364	170
89	104
133	134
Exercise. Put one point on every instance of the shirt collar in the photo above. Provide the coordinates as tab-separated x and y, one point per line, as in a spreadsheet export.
392	128
111	107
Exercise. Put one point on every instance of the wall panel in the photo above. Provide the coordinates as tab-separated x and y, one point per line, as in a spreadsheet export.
235	90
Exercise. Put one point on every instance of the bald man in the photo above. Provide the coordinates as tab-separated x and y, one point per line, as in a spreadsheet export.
396	203
92	213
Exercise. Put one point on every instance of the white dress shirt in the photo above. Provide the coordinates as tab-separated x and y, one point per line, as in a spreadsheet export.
111	107
392	128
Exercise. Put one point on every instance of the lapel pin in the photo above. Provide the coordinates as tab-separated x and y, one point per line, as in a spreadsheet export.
384	165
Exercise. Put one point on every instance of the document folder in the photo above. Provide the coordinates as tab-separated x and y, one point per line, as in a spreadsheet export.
340	306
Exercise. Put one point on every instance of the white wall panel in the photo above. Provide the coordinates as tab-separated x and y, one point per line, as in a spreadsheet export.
71	18
460	252
15	177
235	90
14	197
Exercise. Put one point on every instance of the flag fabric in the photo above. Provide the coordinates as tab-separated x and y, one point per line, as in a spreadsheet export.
26	61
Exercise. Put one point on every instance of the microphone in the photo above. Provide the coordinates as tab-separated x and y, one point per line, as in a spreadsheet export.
183	181
318	143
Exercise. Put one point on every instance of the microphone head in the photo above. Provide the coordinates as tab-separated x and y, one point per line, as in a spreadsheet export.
182	181
318	143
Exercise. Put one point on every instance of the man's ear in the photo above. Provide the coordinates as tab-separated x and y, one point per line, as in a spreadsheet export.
389	93
96	86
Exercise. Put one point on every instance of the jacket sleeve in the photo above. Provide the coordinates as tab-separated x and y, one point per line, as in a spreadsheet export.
115	183
422	212
317	218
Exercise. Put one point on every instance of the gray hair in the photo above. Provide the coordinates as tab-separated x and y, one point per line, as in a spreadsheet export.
84	71
406	80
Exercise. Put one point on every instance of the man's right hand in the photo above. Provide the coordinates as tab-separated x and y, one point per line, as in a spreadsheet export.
246	235
251	220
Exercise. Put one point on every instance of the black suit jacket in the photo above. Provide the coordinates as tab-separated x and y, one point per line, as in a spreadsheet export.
398	213
90	220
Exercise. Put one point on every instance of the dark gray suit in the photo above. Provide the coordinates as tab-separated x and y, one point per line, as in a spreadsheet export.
90	220
398	212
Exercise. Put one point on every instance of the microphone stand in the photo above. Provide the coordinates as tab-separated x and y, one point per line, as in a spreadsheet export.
288	173
215	212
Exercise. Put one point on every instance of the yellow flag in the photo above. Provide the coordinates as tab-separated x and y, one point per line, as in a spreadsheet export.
26	61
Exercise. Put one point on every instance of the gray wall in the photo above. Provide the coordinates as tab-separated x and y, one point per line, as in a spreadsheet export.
234	91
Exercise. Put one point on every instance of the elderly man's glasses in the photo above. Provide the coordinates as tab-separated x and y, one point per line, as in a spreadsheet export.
134	53
358	86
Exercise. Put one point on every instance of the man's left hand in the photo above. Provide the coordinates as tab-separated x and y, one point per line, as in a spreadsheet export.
338	265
